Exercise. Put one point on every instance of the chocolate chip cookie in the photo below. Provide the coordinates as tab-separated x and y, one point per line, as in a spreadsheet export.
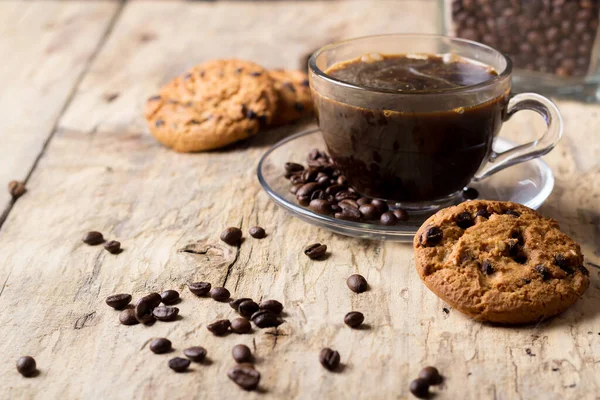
212	105
500	262
293	91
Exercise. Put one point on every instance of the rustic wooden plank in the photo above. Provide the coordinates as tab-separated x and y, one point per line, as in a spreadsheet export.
102	171
45	46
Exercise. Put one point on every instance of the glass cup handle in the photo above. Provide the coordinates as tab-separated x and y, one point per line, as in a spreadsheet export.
548	110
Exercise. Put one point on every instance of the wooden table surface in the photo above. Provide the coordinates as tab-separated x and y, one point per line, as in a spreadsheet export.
74	77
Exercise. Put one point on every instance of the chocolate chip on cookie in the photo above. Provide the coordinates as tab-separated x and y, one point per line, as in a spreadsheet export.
201	109
295	100
510	266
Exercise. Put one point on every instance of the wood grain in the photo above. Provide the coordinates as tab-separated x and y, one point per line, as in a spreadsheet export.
46	45
103	171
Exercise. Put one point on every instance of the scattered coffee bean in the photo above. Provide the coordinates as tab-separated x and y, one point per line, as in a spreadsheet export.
354	319
143	311
320	206
127	317
169	297
179	364
235	304
470	193
166	314
357	283
431	375
160	346
330	359
26	366
381	205
271	305
16	189
153	299
220	327
315	251
245	376
388	218
113	247
432	237
93	238
420	388
219	294
464	220
200	288
241	353
232	236
247	308
195	353
401	215
265	319
257	232
118	301
240	325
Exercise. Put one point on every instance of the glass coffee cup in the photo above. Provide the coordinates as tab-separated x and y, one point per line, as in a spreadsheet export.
419	149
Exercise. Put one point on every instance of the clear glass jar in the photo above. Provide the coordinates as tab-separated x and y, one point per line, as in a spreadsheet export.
553	43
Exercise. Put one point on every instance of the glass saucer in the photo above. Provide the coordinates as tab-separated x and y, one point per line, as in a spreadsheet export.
528	183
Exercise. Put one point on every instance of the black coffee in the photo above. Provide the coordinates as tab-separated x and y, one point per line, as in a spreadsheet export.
410	156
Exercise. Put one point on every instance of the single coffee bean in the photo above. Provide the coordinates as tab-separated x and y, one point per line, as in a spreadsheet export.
431	375
318	195
346	194
381	205
320	206
307	189
16	189
153	299
143	312
113	247
247	308
349	214
335	189
315	250
401	214
323	181
271	305
160	346
257	232
169	297
293	167
195	353
354	318
330	359
369	211
363	200
310	175
245	376
265	319
470	193
303	200
220	327
200	288
348	203
357	283
26	366
219	294
166	314
420	388
341	180
241	353
464	220
294	188
240	325
235	304
388	219
179	364
118	301
297	180
127	317
93	238
432	237
232	236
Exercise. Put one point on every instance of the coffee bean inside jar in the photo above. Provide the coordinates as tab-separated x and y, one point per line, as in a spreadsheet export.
555	37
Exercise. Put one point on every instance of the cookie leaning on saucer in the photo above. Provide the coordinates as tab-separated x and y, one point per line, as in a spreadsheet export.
293	91
500	262
214	104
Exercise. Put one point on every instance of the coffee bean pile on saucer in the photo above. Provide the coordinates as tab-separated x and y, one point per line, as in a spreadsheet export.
322	188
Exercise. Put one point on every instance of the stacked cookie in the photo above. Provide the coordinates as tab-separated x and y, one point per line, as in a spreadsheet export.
500	262
221	102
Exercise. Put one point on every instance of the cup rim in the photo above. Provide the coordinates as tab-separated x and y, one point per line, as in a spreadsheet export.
312	64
